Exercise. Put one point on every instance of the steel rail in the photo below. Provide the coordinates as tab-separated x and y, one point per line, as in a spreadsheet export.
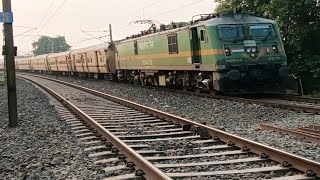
298	108
310	131
307	136
307	109
298	98
151	172
287	159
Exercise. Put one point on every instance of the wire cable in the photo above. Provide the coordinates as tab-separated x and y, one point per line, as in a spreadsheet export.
170	11
167	12
24	27
43	18
94	36
152	4
25	32
47	12
51	17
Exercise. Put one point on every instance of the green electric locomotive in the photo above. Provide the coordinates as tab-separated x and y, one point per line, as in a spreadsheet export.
228	53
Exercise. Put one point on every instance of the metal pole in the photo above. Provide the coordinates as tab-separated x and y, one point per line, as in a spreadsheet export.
51	45
10	67
110	31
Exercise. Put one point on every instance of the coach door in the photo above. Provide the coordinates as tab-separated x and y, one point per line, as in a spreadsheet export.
73	63
195	45
86	60
82	61
68	62
48	64
57	64
30	66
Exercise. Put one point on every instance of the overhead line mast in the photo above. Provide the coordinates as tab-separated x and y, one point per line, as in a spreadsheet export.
9	51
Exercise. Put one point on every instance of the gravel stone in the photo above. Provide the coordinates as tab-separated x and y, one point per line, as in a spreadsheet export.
43	146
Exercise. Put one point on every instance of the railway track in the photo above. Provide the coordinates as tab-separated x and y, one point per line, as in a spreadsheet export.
282	101
287	102
136	142
310	134
295	103
298	98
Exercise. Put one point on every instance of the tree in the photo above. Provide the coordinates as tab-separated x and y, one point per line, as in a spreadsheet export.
299	23
46	45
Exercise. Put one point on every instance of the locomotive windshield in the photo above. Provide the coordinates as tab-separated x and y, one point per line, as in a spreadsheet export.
261	31
231	32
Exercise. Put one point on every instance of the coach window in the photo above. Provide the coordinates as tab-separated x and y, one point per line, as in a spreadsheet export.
135	43
203	35
173	44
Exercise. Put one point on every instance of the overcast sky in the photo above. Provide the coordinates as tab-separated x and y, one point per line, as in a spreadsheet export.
68	17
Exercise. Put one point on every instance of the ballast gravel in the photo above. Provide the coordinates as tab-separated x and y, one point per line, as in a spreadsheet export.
234	117
43	146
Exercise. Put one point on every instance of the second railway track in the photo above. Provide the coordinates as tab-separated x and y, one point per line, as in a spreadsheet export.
281	101
140	142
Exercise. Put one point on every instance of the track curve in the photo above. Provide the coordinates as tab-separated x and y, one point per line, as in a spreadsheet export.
181	139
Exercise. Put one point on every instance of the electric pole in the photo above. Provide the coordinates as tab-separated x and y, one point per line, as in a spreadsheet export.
9	52
110	31
51	45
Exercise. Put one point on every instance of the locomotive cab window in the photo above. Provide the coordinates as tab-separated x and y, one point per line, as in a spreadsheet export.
173	44
135	48
231	32
203	36
261	31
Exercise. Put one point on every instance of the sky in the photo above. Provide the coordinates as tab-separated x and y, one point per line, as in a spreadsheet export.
35	18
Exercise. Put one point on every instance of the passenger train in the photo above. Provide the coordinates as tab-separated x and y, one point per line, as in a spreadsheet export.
227	53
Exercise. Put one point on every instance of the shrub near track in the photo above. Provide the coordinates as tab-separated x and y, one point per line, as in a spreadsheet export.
299	23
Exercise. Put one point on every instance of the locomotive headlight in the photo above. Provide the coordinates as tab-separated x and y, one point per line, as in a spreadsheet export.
248	50
227	51
254	50
275	49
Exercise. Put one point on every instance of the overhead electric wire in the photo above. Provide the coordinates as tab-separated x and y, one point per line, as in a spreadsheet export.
152	4
167	12
148	6
170	11
34	35
98	31
47	12
43	18
25	32
94	36
89	39
23	27
51	17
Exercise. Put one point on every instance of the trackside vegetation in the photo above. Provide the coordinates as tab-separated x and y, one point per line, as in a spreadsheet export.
299	23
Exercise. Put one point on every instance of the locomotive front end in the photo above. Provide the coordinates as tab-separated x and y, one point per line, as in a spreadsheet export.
254	59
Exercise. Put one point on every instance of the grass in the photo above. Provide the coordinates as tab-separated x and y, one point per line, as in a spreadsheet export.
315	94
2	79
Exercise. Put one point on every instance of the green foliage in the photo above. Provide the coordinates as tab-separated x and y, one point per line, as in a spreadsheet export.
46	45
299	22
2	79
